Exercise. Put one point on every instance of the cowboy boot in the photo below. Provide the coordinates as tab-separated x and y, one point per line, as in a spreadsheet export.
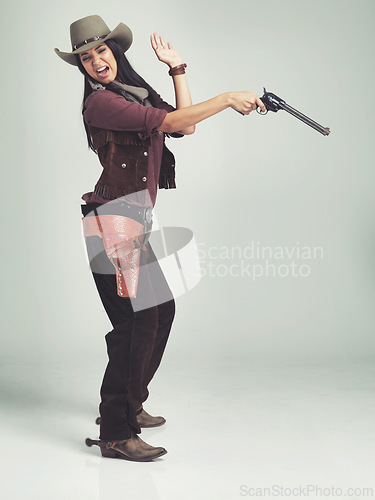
133	449
144	420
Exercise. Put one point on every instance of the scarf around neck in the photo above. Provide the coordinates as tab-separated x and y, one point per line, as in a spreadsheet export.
131	93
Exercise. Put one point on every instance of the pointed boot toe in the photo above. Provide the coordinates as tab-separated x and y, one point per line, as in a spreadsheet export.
133	449
145	420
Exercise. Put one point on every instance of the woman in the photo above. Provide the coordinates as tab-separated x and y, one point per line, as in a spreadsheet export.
126	122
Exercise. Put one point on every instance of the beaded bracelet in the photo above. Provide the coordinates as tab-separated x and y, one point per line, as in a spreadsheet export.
177	70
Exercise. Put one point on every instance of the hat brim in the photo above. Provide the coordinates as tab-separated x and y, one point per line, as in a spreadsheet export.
122	34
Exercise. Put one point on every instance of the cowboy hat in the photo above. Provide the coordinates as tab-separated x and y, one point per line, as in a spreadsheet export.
88	32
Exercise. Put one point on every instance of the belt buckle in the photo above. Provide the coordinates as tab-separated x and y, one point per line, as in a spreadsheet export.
148	215
148	224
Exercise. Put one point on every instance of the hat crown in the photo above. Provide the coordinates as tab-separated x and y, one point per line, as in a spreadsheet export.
88	32
86	28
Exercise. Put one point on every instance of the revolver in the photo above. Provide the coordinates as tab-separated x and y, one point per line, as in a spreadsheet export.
273	103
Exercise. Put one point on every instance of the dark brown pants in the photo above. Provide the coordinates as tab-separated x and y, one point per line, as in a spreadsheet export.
137	342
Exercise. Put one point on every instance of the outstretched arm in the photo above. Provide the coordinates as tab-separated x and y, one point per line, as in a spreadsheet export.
167	54
181	119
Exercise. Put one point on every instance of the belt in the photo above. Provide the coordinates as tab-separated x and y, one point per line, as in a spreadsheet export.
140	214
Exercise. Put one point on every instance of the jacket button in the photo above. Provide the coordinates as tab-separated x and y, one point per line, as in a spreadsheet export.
145	153
123	165
144	179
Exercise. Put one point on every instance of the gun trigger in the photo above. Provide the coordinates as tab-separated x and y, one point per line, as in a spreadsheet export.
259	111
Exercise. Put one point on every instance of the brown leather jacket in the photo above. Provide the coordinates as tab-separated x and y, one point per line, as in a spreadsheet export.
123	156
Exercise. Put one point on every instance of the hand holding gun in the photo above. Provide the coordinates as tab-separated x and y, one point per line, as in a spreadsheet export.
274	103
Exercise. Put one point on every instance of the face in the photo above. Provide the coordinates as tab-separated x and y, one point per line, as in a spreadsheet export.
100	63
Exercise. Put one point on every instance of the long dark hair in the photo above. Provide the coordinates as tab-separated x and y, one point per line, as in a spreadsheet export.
125	74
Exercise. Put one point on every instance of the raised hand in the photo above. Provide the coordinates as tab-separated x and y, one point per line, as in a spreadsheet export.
164	51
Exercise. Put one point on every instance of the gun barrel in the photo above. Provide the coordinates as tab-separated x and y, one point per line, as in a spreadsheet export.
304	118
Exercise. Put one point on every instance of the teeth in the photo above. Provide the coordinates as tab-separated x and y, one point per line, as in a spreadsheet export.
101	69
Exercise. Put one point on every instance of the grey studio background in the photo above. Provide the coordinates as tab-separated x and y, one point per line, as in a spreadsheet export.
266	380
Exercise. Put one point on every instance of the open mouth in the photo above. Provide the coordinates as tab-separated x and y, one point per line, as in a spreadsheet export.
103	71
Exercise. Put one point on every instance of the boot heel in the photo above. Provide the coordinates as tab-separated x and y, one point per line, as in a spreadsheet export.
109	453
